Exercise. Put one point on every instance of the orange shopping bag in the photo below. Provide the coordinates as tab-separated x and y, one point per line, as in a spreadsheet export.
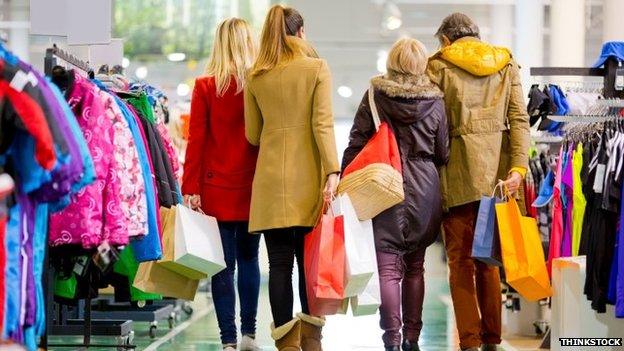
324	263
375	173
521	250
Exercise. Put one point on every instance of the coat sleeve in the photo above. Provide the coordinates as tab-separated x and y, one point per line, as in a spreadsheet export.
518	120
253	118
362	130
442	136
323	121
198	130
435	71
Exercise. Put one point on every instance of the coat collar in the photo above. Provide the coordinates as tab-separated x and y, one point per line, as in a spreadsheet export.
395	84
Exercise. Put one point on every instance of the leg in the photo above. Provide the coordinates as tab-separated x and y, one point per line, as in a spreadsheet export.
299	236
223	293
390	275
413	295
281	250
247	246
490	302
458	235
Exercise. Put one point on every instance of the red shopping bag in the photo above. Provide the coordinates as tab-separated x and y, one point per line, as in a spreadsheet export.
324	262
381	148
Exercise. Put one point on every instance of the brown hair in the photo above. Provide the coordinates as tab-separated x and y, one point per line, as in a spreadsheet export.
280	23
456	26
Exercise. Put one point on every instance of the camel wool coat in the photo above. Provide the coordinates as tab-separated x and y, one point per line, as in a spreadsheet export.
288	113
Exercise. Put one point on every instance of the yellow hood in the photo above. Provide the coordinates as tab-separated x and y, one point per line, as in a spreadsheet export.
476	57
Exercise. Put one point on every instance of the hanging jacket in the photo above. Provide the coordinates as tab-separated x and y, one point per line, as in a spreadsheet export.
414	109
488	121
220	163
92	216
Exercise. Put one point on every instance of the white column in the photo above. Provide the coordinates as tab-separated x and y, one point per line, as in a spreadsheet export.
613	10
19	35
501	25
567	33
529	44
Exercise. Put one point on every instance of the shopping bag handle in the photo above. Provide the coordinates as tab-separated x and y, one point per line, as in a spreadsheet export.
187	203
373	107
504	191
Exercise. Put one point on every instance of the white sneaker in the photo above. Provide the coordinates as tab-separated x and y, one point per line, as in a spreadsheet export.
249	344
229	348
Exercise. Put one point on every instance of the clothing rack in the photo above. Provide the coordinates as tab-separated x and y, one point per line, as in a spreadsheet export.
87	327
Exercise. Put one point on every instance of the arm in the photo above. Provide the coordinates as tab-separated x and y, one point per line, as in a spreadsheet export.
442	135
323	121
253	118
198	128
362	130
518	119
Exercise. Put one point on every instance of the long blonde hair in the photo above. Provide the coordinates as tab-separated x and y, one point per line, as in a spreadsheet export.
232	54
275	47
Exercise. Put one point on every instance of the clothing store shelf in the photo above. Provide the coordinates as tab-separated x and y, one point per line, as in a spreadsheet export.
582	118
618	103
567	71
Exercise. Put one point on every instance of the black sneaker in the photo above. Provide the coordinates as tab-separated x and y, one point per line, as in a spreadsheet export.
408	346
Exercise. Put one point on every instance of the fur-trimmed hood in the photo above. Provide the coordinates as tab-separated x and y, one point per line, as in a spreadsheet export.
407	86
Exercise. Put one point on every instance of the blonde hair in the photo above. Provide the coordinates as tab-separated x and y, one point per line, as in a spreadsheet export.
232	54
274	44
407	56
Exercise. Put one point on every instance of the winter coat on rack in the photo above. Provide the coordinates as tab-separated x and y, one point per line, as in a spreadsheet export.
414	109
219	163
488	121
288	114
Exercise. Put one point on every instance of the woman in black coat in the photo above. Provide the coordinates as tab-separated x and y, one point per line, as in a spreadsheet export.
413	107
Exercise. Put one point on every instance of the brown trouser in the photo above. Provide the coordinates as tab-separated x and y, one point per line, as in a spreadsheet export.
475	286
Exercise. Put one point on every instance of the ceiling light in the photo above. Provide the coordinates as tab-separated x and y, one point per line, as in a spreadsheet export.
176	56
345	91
393	23
141	72
391	17
125	62
382	58
183	89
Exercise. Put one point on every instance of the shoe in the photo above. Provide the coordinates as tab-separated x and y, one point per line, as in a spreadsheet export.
393	348
311	332
229	348
409	346
489	347
248	343
288	336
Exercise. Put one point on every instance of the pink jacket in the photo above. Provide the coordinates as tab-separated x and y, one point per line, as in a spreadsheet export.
94	214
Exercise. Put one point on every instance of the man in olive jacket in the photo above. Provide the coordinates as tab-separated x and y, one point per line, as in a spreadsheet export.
489	133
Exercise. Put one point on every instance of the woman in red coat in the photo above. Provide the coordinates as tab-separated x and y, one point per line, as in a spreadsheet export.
218	172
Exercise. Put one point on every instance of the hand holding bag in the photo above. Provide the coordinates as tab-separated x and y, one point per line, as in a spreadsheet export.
522	252
374	179
324	263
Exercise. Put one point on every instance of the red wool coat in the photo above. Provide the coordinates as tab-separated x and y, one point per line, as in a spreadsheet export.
220	163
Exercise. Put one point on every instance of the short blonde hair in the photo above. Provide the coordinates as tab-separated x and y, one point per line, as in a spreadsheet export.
407	56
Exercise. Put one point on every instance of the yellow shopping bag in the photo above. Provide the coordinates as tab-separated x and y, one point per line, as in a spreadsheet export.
521	250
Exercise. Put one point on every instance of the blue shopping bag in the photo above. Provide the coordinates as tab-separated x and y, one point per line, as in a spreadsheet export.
486	243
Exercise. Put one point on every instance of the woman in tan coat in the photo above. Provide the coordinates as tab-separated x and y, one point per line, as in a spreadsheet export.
288	113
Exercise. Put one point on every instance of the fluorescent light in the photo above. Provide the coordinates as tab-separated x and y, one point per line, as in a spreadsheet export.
345	91
183	89
141	72
176	56
382	58
125	62
393	23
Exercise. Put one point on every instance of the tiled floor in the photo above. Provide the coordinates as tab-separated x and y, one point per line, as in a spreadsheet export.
342	333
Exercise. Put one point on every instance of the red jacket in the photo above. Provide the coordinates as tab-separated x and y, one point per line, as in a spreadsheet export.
220	163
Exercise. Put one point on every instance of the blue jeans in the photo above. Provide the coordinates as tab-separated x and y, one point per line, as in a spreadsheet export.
240	248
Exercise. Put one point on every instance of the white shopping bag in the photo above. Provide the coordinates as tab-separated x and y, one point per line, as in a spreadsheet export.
198	242
369	300
359	247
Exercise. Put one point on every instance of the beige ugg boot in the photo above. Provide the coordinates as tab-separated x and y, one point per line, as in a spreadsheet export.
288	336
311	328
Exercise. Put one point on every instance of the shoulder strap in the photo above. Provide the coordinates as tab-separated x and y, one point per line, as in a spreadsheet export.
373	107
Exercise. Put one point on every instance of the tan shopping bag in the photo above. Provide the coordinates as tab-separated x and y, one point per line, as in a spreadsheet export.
154	278
168	218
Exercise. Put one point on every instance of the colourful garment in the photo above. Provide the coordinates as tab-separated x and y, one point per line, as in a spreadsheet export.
94	212
578	212
556	233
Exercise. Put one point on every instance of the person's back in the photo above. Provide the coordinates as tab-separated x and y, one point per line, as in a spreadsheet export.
489	141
